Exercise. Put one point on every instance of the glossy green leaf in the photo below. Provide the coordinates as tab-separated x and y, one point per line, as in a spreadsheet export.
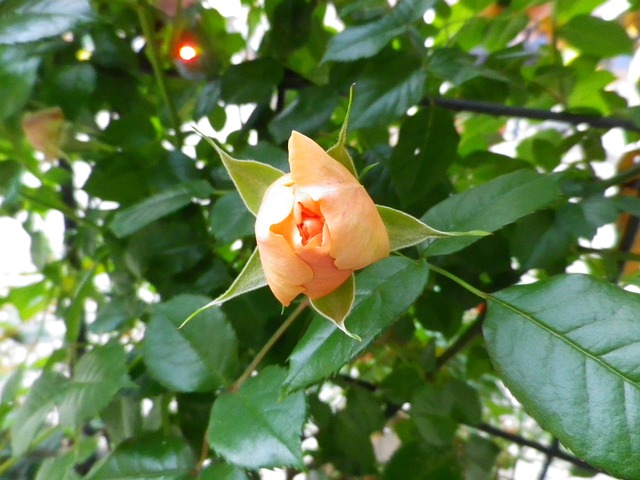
17	75
568	348
256	426
427	146
489	207
250	278
98	375
230	219
337	305
253	81
385	95
366	40
406	231
140	215
143	458
223	471
43	396
310	111
251	178
29	21
595	36
416	460
201	356
323	350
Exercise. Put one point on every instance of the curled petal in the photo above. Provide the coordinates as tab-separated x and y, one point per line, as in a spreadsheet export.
284	270
359	236
326	276
313	169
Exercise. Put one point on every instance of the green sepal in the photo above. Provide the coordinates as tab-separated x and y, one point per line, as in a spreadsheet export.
250	278
337	305
406	231
339	151
251	178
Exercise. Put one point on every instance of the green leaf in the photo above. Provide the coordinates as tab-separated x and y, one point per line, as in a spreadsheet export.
595	36
71	87
568	348
347	437
143	458
383	96
33	20
60	468
323	350
256	427
405	231
365	41
202	356
230	219
489	207
337	305
250	278
339	152
427	146
223	471
252	81
43	396
98	375
251	178
310	111
18	74
140	215
479	457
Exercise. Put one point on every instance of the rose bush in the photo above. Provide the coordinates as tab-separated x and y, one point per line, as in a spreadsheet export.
316	225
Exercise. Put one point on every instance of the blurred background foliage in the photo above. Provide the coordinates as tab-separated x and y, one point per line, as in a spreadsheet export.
518	117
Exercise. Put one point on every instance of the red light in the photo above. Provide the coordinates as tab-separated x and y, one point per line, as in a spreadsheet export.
187	53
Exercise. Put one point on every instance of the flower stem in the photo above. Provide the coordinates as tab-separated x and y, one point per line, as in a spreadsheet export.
460	282
154	58
267	346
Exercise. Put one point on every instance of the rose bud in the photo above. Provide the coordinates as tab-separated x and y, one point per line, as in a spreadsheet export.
316	225
44	130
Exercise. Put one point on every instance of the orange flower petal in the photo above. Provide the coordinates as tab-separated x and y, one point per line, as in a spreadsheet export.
285	271
358	233
357	240
326	276
313	169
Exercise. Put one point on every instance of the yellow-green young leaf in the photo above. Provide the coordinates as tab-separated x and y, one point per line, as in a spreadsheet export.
339	151
251	178
405	231
250	278
337	305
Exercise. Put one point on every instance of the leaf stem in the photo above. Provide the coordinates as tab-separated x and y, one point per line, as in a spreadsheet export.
267	346
459	281
154	58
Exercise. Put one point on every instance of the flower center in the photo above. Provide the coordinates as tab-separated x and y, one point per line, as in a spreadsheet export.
310	224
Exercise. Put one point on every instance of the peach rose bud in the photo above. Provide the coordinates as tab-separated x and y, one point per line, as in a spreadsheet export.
316	225
44	131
